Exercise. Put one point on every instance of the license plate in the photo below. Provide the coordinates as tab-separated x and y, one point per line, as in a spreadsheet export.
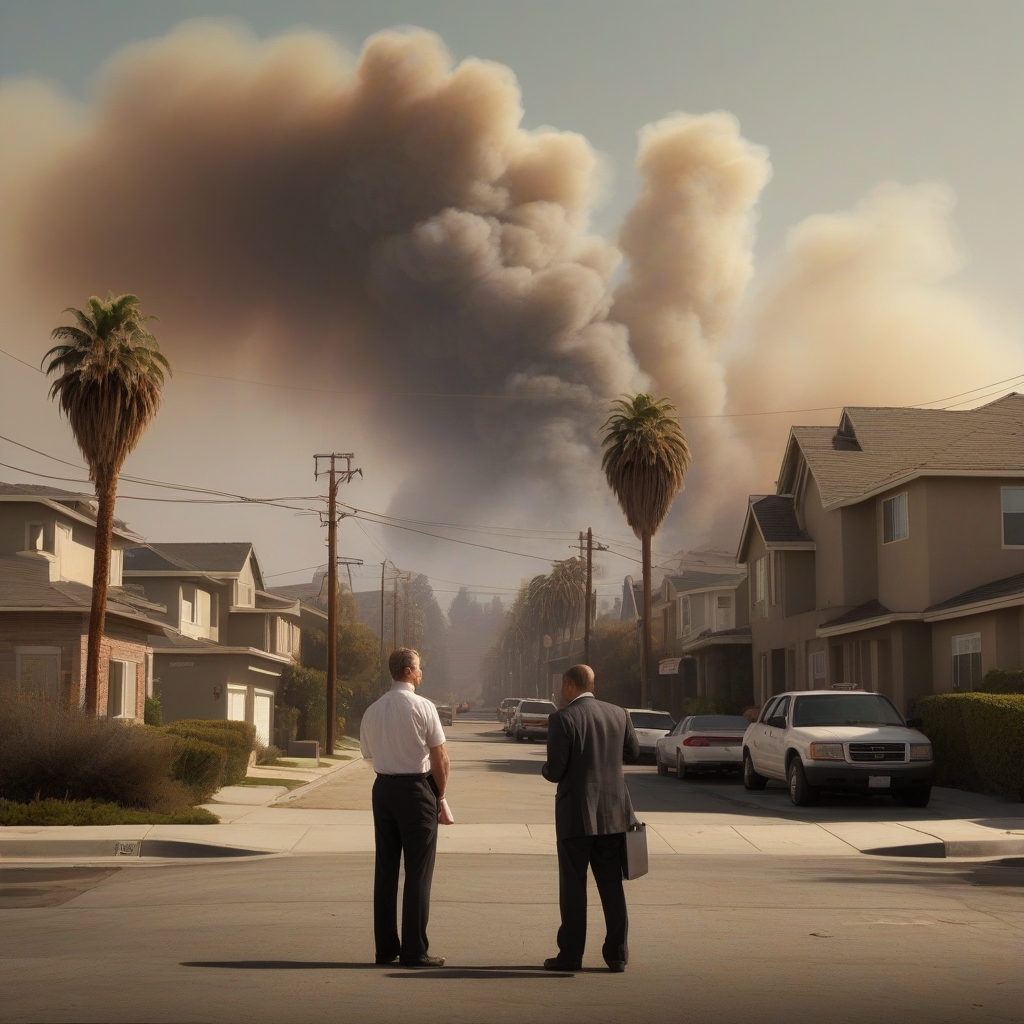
879	781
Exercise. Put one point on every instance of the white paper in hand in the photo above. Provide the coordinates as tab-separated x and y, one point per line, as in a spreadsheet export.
446	817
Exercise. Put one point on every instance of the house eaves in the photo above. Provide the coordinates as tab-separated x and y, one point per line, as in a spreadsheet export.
859	625
120	531
733	636
907	478
252	652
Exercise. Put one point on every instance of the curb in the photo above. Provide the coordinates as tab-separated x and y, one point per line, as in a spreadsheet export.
953	848
22	849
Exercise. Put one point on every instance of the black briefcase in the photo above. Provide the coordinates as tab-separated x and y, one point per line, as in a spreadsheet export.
634	861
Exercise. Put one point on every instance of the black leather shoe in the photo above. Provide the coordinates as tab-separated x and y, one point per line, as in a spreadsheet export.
381	959
555	963
616	966
424	961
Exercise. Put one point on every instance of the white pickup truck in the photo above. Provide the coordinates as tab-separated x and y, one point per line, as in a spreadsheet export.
845	741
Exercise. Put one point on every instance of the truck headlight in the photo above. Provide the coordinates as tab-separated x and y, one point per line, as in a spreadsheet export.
920	751
827	752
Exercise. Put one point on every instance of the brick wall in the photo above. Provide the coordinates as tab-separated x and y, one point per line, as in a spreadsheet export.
69	632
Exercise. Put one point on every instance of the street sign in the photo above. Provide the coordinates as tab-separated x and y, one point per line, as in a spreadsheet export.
669	666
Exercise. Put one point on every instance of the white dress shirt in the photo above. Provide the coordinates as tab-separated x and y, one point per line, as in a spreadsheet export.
398	731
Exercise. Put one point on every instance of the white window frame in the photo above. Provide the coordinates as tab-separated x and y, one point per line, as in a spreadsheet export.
41	527
818	661
684	616
891	503
966	645
129	674
761	580
1003	514
773	577
236	691
116	566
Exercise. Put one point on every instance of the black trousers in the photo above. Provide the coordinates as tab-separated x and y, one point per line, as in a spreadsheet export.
603	854
404	824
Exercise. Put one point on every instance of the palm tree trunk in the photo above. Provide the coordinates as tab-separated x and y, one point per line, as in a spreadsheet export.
645	650
106	492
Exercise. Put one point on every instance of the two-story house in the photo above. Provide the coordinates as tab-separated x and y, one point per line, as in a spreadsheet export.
231	640
47	544
702	631
891	556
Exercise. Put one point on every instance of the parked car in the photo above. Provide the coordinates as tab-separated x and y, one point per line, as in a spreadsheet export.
849	741
462	708
444	712
502	709
509	712
650	726
702	743
530	721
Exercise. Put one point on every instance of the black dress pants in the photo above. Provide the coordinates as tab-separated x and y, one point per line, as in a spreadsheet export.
603	854
404	824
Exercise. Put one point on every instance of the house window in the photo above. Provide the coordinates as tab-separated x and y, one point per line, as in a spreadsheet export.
35	537
894	519
1013	517
236	704
967	661
773	576
116	567
37	671
723	612
760	579
243	594
188	605
684	616
121	682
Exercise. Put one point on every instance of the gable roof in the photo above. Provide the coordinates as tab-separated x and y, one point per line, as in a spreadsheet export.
874	449
224	558
694	579
80	505
774	517
1007	592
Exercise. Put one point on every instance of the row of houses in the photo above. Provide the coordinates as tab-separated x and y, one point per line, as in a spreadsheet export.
193	620
890	557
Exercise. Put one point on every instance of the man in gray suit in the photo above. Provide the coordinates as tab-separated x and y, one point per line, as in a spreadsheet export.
587	740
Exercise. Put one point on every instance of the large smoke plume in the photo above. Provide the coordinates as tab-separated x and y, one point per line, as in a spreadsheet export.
385	225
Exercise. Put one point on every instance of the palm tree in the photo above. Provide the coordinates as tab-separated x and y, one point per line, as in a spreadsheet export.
111	377
646	458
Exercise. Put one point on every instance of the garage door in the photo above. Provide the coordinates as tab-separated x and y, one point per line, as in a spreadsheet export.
262	717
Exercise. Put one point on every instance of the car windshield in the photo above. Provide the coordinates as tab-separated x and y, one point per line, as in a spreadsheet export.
536	707
845	709
651	720
711	723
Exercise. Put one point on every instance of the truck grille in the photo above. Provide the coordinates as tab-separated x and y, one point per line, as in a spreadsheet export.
878	752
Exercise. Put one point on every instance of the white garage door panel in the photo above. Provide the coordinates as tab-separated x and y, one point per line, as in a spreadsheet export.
262	718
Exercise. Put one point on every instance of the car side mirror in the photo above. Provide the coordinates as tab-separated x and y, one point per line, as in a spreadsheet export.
915	723
777	721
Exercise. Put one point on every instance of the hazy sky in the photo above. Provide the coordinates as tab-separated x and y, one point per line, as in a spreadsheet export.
844	96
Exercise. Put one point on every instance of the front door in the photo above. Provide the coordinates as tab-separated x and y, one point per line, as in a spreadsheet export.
774	742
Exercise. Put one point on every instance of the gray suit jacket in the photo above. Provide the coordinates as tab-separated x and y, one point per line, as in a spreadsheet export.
586	743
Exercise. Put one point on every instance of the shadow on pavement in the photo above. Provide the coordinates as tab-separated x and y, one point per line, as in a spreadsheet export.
448	973
281	965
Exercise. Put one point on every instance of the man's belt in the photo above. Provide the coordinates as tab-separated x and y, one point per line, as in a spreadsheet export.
415	775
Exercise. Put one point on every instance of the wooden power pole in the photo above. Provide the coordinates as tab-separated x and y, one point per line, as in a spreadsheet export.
336	477
588	603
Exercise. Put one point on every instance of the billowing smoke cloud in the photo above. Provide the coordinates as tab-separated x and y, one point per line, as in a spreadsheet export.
858	310
386	224
688	239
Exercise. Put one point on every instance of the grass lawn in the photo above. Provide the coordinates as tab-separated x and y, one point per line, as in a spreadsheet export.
289	783
92	812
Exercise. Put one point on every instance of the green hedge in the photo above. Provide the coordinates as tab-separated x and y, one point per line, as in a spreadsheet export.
238	740
978	740
1003	680
95	812
199	766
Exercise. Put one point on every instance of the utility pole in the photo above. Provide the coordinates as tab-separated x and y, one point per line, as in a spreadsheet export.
590	587
336	477
383	565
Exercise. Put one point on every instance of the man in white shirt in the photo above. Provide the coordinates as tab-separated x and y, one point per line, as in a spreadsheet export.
401	733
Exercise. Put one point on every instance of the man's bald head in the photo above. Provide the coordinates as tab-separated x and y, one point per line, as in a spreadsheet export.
579	679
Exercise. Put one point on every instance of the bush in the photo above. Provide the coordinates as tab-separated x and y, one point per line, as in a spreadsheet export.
199	766
238	739
305	689
154	713
978	740
1001	680
268	754
91	812
48	750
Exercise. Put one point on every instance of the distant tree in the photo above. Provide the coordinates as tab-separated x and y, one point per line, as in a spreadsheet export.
110	383
645	461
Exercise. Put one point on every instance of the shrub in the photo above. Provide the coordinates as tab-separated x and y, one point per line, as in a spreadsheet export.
1001	680
48	750
199	766
154	714
238	739
978	740
268	754
91	812
305	689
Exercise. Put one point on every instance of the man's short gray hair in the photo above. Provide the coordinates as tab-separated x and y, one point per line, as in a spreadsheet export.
400	659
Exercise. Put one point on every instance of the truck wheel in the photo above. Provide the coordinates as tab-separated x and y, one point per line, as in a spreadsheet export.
751	779
682	772
801	792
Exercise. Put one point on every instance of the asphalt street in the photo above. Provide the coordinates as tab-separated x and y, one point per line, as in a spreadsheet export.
713	938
